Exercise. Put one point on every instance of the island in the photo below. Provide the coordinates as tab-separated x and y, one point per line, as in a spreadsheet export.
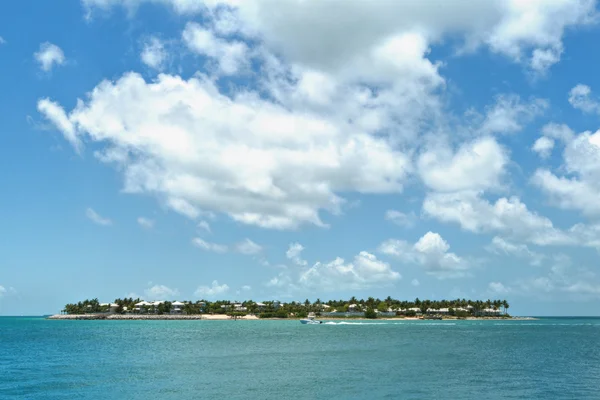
371	308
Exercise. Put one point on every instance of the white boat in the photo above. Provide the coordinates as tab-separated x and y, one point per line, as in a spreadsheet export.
310	321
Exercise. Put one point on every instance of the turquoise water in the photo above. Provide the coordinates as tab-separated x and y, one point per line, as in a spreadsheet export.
545	359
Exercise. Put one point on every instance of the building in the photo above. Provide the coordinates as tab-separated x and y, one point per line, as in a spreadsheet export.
143	307
442	311
110	308
177	307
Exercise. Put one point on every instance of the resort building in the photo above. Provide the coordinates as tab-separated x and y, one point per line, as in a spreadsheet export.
177	307
442	311
111	308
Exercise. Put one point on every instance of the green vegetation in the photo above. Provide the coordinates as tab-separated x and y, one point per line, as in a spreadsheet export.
369	308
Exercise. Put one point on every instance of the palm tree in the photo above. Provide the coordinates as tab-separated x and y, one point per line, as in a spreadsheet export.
506	306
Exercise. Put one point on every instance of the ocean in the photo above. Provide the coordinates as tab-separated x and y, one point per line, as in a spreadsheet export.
550	358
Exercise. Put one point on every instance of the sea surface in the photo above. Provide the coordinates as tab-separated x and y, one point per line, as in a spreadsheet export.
551	358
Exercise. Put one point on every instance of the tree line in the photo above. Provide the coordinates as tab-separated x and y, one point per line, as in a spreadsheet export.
276	309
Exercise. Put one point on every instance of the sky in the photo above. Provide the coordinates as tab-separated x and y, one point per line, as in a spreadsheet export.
269	149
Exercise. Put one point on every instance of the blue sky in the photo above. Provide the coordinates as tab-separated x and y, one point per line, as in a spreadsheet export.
186	149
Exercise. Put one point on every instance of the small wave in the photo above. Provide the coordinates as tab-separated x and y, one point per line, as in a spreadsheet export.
392	323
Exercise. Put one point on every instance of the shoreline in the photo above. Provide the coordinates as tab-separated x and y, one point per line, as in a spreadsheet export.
222	317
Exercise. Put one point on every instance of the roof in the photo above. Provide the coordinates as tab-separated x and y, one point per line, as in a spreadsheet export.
260	304
143	303
178	303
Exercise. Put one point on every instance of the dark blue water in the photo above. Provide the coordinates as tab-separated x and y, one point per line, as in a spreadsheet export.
545	359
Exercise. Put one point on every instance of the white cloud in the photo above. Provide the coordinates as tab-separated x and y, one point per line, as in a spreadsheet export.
208	246
559	132
246	287
204	225
529	32
584	288
248	247
502	246
161	292
145	223
509	114
97	218
364	272
579	188
231	56
508	216
415	282
211	291
498	288
563	278
541	60
431	253
580	98
254	160
55	114
400	218
49	55
543	146
153	53
476	165
7	291
294	253
2	41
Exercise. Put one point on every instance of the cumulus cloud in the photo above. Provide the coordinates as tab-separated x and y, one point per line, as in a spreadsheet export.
246	287
581	98
294	253
145	223
431	253
204	225
527	32
211	291
153	53
476	165
2	41
543	146
230	55
248	247
400	218
498	288
509	114
49	55
161	292
579	188
364	272
415	282
208	246
502	246
97	218
508	216
254	160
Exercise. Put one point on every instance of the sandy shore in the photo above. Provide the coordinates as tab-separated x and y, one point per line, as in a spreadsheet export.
131	317
222	317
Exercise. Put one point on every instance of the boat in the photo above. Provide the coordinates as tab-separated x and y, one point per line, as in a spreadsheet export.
310	321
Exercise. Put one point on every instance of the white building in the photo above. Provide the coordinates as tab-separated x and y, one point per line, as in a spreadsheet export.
177	307
142	306
111	307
